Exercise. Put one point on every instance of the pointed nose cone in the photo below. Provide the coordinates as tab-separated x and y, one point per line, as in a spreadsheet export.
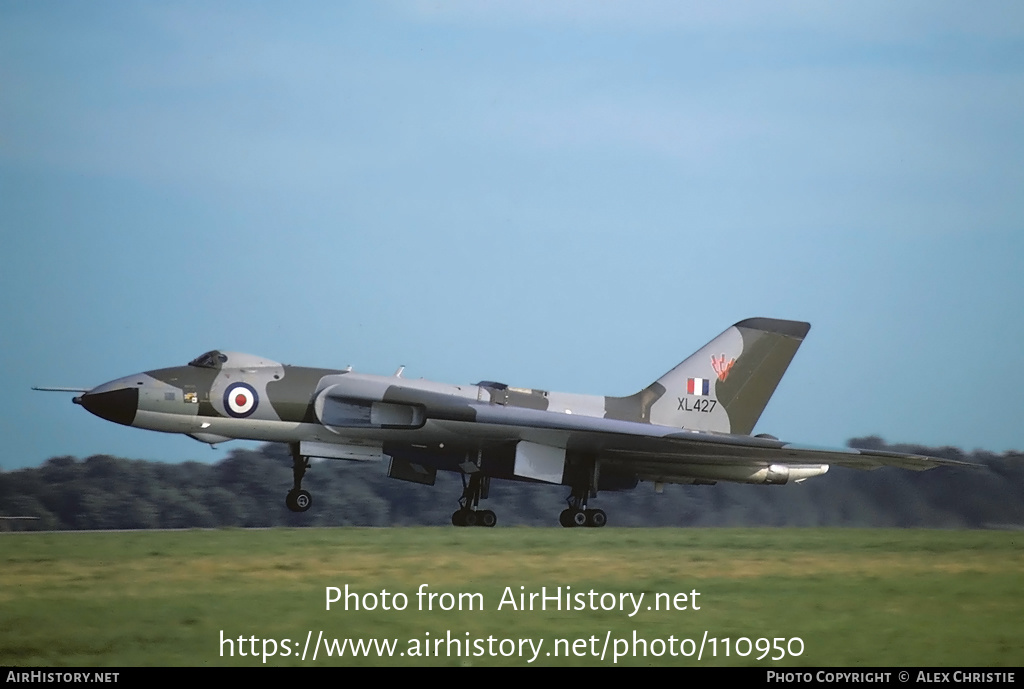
118	406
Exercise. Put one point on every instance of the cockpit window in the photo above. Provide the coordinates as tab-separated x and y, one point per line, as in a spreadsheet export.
209	360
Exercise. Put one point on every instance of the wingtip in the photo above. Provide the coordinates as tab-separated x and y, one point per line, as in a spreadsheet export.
924	461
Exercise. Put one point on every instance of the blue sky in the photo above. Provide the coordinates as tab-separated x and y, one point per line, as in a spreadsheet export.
573	196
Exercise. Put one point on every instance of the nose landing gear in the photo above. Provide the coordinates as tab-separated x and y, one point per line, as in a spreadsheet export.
298	500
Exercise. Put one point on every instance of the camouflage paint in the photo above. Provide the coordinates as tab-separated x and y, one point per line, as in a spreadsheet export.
665	432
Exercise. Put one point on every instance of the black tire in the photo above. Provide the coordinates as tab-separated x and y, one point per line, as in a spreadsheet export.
596	518
579	518
457	519
487	518
470	518
298	500
565	519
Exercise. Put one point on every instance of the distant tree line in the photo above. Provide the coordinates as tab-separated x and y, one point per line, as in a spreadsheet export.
247	489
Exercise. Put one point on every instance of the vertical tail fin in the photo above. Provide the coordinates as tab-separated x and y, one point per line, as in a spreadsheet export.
725	385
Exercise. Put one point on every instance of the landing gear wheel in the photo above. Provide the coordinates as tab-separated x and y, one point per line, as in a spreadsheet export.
298	500
474	489
582	480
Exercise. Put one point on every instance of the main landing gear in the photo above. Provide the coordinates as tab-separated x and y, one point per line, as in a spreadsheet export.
576	517
298	500
577	513
473	490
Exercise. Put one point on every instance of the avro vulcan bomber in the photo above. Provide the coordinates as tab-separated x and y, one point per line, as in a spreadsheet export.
691	426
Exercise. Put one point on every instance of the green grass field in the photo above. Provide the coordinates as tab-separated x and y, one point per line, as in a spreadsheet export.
853	597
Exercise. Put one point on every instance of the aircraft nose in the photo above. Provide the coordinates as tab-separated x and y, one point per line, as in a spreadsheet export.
118	406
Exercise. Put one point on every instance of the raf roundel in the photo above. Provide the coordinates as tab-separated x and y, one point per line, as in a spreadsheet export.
240	400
